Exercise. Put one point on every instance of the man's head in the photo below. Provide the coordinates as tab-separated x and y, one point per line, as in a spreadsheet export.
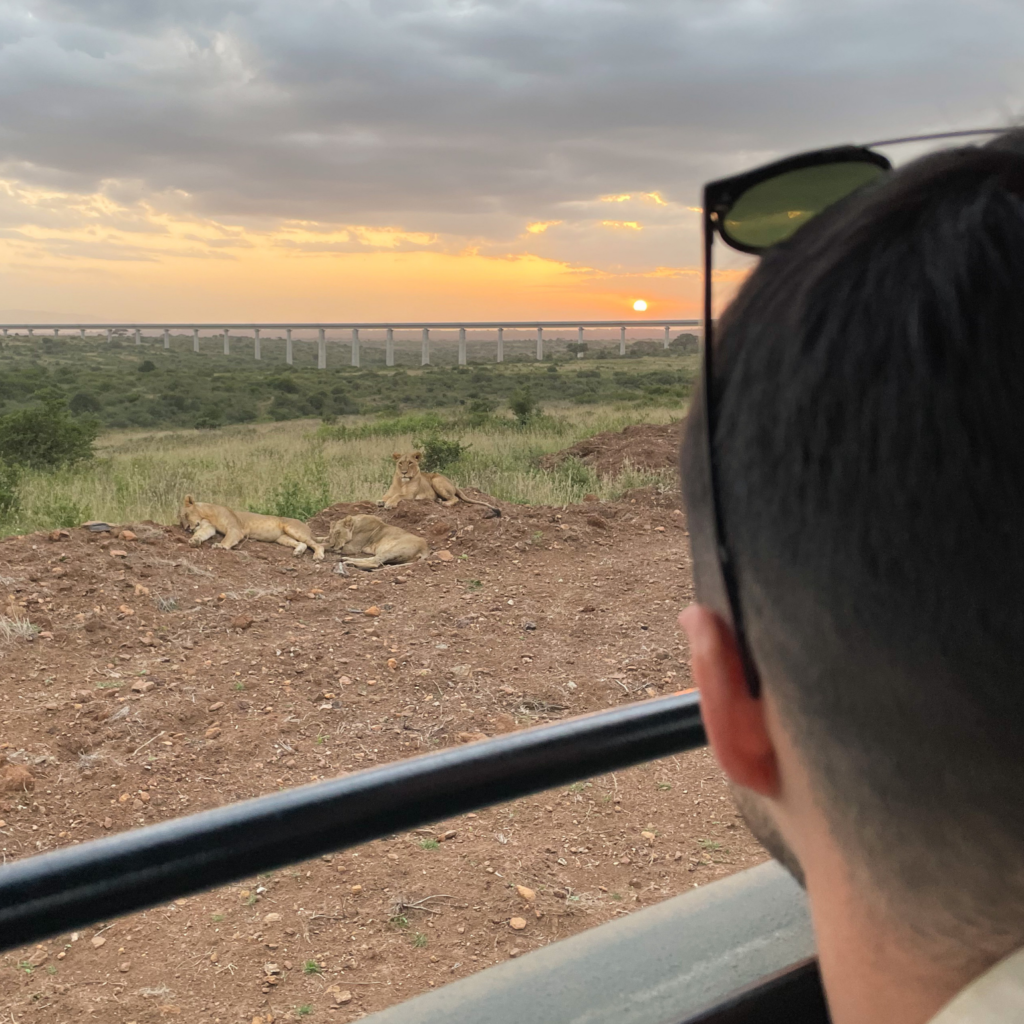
870	456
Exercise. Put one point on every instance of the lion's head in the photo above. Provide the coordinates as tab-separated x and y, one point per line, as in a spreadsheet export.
341	532
408	466
189	516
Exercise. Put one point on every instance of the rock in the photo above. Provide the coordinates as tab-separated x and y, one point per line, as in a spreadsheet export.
470	737
141	591
96	526
444	556
342	997
344	681
356	889
392	664
15	778
126	610
213	732
241	622
108	823
127	535
271	918
118	553
217	706
517	923
373	611
37	957
125	966
649	836
97	941
401	579
529	626
659	529
271	969
143	686
527	893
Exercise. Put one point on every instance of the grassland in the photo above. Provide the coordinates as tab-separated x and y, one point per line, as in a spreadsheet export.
298	467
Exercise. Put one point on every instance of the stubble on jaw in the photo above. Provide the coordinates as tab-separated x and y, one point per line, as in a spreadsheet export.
761	823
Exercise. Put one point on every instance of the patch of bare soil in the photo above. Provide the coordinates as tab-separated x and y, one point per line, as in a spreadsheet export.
642	446
167	680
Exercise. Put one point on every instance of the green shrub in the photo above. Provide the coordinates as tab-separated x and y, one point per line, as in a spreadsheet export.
46	436
84	401
148	366
10	499
523	404
61	512
440	452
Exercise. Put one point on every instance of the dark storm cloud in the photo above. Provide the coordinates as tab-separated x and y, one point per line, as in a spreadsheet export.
464	117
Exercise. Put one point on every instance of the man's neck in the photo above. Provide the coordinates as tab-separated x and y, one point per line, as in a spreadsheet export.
874	972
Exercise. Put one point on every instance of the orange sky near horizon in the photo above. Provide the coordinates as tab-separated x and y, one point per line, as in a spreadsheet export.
149	259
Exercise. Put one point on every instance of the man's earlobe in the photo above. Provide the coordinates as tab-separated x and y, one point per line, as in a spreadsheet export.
734	720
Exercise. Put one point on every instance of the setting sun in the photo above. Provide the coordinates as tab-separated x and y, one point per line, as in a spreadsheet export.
640	305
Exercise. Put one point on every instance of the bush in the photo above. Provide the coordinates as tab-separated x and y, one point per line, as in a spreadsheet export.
440	452
10	499
523	404
46	437
62	512
148	366
295	501
84	401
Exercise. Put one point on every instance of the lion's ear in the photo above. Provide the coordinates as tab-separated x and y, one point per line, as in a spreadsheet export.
417	455
347	522
396	456
189	500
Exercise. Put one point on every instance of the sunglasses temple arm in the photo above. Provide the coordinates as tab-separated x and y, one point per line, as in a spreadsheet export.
724	558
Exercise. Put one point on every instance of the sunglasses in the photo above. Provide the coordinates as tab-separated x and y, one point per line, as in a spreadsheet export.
752	212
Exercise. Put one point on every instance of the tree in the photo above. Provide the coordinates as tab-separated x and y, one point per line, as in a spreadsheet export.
46	436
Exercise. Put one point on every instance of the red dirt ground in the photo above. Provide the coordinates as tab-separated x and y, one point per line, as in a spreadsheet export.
264	671
642	446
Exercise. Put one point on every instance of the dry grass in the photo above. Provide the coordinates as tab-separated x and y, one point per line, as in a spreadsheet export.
141	476
15	628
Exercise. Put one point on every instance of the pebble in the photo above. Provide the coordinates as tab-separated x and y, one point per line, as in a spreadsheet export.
126	610
217	706
213	732
517	923
97	941
125	966
444	556
649	836
373	611
143	686
342	997
241	622
118	553
127	535
527	893
271	918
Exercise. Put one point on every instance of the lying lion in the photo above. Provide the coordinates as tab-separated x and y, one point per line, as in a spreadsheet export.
204	521
368	535
410	483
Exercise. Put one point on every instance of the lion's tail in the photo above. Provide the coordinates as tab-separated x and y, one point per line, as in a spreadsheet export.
474	501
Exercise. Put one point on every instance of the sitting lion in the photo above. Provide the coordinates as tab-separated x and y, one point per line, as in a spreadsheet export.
204	521
368	535
410	483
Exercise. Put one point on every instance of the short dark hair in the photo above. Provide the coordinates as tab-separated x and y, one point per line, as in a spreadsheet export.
870	452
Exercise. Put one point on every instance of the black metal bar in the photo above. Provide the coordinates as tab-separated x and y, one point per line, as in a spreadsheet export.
52	893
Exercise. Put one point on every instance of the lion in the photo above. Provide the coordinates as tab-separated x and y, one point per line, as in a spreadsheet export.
368	535
410	483
204	521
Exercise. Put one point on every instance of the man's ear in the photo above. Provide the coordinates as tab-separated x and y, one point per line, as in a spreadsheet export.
734	720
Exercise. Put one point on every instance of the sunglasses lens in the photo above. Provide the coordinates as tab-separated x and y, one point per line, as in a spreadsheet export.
769	212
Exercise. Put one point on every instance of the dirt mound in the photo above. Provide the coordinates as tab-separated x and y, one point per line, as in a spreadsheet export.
160	680
642	446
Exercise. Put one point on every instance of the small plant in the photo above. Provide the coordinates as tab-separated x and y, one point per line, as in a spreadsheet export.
238	686
440	452
304	1010
12	628
251	900
429	844
321	740
24	965
578	787
51	969
399	921
217	918
62	512
616	895
523	404
419	940
10	499
311	967
147	366
664	786
709	844
474	585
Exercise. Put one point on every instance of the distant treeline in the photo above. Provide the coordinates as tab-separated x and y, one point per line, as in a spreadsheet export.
123	385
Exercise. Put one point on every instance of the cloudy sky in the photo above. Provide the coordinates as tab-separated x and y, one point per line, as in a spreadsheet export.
386	159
